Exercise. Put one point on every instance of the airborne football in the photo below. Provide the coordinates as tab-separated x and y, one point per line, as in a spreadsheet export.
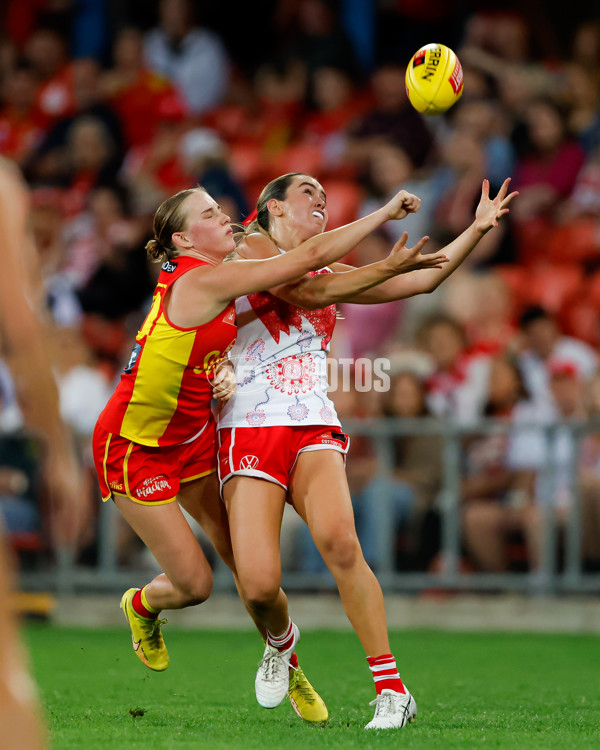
434	79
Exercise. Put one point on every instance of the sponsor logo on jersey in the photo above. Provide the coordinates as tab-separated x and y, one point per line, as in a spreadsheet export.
169	266
249	462
155	484
341	436
135	353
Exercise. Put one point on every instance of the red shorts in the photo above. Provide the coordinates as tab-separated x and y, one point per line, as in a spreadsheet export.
147	475
271	452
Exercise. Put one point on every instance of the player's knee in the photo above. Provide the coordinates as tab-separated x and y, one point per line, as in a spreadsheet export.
341	549
262	595
196	590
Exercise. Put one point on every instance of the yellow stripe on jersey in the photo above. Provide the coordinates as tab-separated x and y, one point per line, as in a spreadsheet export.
162	361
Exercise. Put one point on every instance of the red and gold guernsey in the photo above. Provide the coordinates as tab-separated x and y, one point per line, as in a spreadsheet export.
164	395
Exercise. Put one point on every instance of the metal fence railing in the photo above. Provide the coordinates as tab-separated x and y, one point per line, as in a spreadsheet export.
63	575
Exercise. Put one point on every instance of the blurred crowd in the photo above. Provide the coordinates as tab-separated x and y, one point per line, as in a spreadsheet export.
109	108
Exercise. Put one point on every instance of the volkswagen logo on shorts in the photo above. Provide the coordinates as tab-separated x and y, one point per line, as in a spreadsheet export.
249	462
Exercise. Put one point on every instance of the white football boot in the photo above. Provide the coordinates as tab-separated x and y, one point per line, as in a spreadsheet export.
392	710
273	676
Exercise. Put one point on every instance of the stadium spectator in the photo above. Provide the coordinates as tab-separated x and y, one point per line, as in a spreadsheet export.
56	289
365	329
390	168
46	52
83	389
140	96
481	301
583	100
458	386
548	163
281	92
314	36
499	44
336	103
119	280
192	58
390	117
153	170
543	344
497	491
47	163
21	123
412	488
203	159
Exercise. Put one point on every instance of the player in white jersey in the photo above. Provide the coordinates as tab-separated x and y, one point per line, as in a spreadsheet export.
280	437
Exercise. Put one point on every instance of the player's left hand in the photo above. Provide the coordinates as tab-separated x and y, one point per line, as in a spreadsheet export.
223	382
489	211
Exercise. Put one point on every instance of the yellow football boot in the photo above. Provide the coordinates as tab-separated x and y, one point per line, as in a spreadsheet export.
146	637
307	703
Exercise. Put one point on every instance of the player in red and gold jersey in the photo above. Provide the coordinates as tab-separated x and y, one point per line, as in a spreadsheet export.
154	443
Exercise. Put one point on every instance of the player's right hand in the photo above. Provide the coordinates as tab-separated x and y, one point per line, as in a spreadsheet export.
403	259
402	204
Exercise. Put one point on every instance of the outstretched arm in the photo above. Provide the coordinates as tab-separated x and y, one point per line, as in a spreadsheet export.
423	281
344	285
214	287
346	282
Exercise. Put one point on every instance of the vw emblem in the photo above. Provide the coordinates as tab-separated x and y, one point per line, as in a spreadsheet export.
249	462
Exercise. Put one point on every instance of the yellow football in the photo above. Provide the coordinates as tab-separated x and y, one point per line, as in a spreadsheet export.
434	79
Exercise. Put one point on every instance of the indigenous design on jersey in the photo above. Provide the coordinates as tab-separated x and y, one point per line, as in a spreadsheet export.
164	395
279	317
280	358
295	374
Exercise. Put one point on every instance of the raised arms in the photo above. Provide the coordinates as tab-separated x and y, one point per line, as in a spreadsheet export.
203	293
344	285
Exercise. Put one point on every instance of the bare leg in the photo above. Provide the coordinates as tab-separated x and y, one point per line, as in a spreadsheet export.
19	712
320	495
201	500
483	529
187	577
255	509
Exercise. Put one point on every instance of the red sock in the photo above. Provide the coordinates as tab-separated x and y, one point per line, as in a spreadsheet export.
284	641
385	673
139	609
294	661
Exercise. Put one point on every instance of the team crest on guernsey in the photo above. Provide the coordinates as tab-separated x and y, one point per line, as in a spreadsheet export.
229	316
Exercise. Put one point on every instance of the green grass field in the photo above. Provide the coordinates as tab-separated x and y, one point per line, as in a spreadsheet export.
473	690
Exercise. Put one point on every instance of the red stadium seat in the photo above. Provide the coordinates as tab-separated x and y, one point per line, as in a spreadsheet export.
300	157
552	286
582	320
515	278
577	242
246	162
